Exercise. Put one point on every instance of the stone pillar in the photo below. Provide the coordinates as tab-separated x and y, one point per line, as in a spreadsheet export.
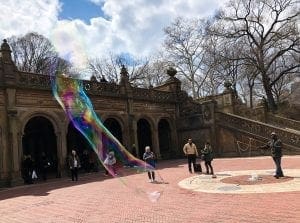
62	150
155	141
13	146
135	138
8	66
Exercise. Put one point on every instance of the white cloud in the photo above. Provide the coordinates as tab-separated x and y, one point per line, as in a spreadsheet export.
19	17
134	26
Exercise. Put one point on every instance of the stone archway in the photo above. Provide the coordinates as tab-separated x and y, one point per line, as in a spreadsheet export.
144	136
165	140
39	139
115	128
76	141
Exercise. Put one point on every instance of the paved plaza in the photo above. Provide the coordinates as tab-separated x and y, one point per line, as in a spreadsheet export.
232	197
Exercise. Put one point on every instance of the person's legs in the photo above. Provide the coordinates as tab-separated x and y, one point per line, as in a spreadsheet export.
194	162
76	173
72	174
189	162
211	168
206	167
153	175
277	161
149	175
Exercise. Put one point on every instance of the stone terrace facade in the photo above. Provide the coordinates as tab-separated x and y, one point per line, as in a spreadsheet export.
32	122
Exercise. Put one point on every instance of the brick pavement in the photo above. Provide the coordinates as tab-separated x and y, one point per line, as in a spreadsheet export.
95	198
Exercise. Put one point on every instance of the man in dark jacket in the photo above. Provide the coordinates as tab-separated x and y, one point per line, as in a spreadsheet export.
275	145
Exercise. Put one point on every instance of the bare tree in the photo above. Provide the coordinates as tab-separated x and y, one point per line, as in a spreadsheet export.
33	53
184	40
269	30
146	72
110	67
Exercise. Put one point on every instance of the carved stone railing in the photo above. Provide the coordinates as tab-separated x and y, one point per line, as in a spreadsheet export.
104	89
153	95
43	82
257	113
257	128
283	122
36	81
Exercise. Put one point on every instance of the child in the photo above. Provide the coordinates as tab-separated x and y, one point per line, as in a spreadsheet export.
149	158
110	161
207	154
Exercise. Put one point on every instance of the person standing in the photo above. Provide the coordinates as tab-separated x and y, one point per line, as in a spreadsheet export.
275	145
207	155
149	158
110	162
190	150
74	164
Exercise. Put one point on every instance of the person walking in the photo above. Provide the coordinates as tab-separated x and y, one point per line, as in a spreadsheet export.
190	150
74	164
275	145
207	156
110	162
149	158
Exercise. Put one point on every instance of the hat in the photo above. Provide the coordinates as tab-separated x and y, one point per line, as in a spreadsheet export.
273	133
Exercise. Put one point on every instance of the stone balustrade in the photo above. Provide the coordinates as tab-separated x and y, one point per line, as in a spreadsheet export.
43	82
258	128
283	122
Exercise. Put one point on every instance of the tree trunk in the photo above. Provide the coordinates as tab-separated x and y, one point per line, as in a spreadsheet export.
251	97
270	97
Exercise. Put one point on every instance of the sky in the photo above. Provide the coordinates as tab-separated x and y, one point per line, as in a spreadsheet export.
81	29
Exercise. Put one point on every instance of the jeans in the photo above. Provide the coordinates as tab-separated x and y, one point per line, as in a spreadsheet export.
191	159
277	161
74	173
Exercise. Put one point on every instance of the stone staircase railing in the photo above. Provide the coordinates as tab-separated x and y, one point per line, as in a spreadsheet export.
283	122
258	129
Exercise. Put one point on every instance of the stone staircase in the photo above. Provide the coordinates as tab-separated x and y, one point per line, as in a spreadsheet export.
259	132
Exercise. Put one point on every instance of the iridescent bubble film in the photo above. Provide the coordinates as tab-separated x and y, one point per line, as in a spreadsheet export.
111	153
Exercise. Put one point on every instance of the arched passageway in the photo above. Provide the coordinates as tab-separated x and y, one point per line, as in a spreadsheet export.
76	141
165	140
39	143
115	128
144	135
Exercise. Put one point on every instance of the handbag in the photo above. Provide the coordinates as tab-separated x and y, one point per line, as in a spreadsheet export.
34	176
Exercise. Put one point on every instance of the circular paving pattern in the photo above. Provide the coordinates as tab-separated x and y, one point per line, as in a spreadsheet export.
259	179
246	181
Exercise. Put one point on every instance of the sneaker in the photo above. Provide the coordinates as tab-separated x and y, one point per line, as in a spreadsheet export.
150	181
214	176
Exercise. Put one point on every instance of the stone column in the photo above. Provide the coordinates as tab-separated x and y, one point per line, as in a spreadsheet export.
13	146
62	150
155	140
135	138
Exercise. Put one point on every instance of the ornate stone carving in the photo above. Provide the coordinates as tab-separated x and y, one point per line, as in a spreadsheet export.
258	128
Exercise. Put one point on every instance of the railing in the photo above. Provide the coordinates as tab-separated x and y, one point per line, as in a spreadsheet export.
153	95
283	122
258	128
43	82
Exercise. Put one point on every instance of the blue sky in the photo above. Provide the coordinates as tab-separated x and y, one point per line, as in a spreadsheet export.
79	30
80	9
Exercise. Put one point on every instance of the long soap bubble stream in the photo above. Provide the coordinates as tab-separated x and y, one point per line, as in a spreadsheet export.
79	109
